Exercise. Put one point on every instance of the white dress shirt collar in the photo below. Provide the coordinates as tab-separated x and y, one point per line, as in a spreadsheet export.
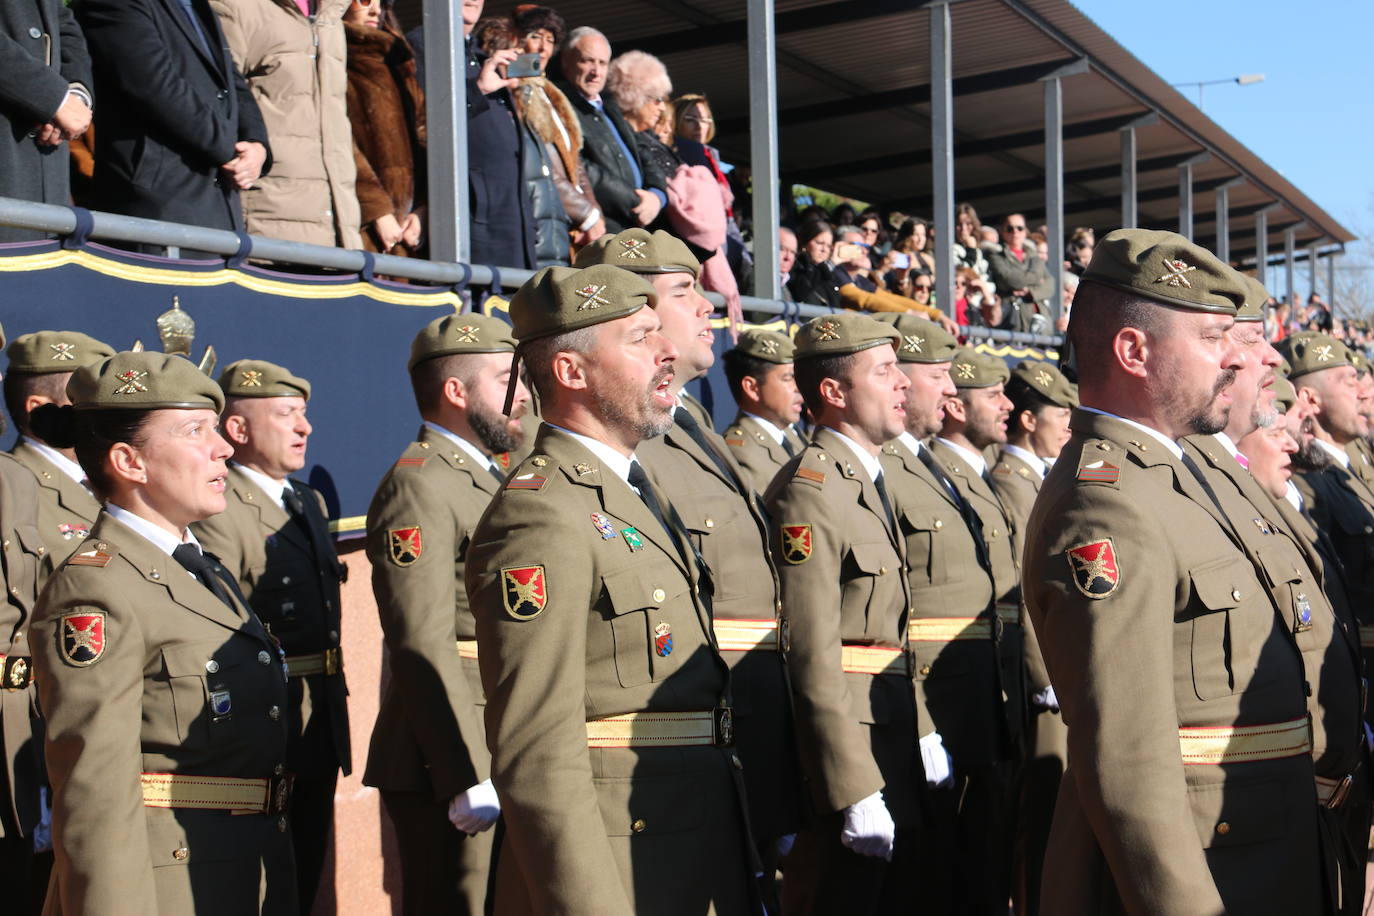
975	460
273	488
1335	451
768	427
1029	457
1294	496
617	463
483	461
1174	448
58	460
869	462
160	537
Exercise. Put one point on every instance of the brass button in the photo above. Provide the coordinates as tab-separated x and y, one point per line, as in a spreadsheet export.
180	853
212	666
882	570
639	825
424	445
659	594
154	575
1104	446
925	671
42	550
264	658
995	532
1235	594
1223	828
274	713
939	524
457	457
820	455
539	461
14	589
5	543
281	825
710	523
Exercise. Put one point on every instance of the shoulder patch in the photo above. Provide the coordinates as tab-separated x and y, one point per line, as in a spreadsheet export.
81	638
93	557
526	482
811	475
404	545
1099	471
796	543
524	591
1094	568
410	462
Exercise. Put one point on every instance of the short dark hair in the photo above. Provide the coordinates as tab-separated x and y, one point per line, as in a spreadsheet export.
1024	399
527	17
20	385
1100	311
428	377
739	366
92	433
537	356
812	371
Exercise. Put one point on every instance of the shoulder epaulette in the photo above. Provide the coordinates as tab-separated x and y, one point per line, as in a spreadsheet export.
734	440
817	477
1099	463
410	462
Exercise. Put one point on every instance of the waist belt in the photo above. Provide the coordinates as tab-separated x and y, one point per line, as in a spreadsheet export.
16	672
1240	743
467	648
874	660
712	728
330	661
744	635
218	793
951	629
1332	793
1366	636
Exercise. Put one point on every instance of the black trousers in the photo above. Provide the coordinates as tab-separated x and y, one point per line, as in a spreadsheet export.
443	870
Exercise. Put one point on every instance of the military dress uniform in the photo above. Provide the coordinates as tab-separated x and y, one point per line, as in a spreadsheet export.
608	709
282	556
428	743
758	446
857	720
165	706
1190	786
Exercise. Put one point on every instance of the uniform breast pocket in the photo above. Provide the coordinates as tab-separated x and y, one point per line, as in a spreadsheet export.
200	681
641	633
714	522
868	567
277	594
1225	646
930	551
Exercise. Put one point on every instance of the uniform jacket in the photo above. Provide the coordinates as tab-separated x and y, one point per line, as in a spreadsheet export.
833	548
1151	618
728	529
1017	484
296	69
758	454
26	560
503	223
612	177
170	655
170	112
958	681
295	591
428	736
574	625
66	509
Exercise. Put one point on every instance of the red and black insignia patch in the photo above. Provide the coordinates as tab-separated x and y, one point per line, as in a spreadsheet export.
796	543
404	544
1094	568
503	459
82	638
526	482
524	591
410	462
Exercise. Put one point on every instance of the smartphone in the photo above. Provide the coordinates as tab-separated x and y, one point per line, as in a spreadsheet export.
522	66
848	251
901	261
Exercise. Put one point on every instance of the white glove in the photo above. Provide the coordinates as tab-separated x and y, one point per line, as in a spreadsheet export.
1046	699
868	828
939	766
785	844
476	809
42	831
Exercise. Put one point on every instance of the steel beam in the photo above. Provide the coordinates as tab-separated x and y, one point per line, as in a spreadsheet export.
942	159
1331	280
1312	268
1289	237
763	147
1054	186
1223	219
447	124
1130	212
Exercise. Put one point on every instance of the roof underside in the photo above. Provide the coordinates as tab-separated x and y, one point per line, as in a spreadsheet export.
854	112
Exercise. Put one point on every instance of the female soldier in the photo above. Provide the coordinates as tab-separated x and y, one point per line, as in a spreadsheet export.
163	693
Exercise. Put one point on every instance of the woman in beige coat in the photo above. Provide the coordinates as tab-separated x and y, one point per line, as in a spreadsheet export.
296	68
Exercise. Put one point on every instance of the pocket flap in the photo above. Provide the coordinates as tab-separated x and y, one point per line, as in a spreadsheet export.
874	558
1226	814
190	659
708	514
1223	584
646	586
924	518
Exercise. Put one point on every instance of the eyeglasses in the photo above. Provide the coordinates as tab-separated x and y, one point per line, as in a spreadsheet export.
698	119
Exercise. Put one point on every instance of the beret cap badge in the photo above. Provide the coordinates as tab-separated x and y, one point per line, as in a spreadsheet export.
634	249
132	382
1176	274
251	378
827	330
62	351
592	298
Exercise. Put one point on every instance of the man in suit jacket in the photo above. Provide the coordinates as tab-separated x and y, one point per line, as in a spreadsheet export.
629	188
178	133
760	373
45	100
273	538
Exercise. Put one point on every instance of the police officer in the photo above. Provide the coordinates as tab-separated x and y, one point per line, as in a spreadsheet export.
716	502
164	696
607	700
840	558
273	537
428	754
1190	780
760	375
40	365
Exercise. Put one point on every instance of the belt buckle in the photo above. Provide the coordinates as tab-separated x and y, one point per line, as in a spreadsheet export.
784	635
723	726
279	793
16	672
333	660
998	627
1340	793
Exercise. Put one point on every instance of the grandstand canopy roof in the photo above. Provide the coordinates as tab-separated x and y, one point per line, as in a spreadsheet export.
854	112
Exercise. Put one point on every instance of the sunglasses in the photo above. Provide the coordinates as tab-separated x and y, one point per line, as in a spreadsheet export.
921	288
1014	228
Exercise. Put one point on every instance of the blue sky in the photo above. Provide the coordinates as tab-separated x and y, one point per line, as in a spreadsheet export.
1313	117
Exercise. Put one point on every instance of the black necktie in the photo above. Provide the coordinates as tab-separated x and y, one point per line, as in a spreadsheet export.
987	478
640	481
497	472
881	487
971	519
693	429
195	562
1196	471
787	446
295	507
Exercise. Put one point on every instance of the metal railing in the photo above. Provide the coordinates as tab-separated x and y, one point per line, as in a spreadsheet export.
112	227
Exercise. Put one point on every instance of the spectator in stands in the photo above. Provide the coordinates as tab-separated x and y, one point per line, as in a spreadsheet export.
787	259
814	213
696	128
630	191
913	240
547	111
1042	246
975	302
178	134
967	250
1068	288
387	111
45	101
987	238
294	60
641	88
1020	278
552	236
810	280
843	214
1080	250
875	237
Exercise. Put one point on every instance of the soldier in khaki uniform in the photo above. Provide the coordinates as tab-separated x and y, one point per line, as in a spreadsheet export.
163	694
1190	786
428	754
273	537
608	702
761	377
715	499
840	557
1042	400
39	366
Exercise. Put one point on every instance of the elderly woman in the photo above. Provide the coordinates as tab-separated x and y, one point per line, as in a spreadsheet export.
696	128
640	85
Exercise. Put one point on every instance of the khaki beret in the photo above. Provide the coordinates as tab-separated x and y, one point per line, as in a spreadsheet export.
769	346
561	299
972	369
1285	395
1165	267
1313	352
923	341
641	251
143	381
841	334
1359	361
1252	306
465	333
44	352
1047	380
257	378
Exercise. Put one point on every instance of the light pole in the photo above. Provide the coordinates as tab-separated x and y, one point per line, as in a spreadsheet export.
1245	79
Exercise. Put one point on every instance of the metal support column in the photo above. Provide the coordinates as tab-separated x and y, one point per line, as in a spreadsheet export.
763	147
1289	239
942	153
1185	200
1054	186
1262	246
1224	224
1331	279
1129	217
1312	269
446	117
